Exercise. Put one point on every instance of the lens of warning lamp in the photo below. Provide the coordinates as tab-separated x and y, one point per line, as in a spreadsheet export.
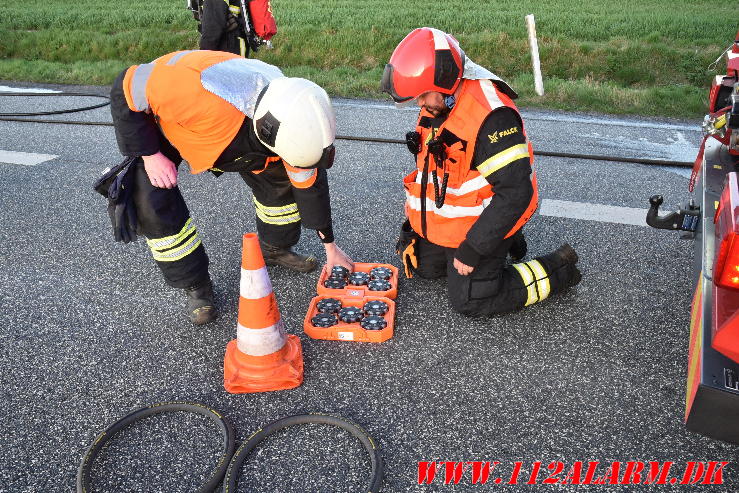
375	307
333	283
324	320
328	305
379	285
339	272
373	322
359	278
381	273
350	314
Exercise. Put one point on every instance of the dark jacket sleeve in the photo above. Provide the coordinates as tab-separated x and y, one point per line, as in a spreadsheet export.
213	24
314	204
511	183
136	132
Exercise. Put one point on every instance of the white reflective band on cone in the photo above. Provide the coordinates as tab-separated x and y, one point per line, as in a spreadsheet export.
255	284
260	342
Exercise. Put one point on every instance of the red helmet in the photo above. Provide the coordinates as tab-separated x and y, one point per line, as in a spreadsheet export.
426	60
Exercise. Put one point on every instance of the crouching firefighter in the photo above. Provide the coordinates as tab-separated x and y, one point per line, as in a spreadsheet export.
222	113
473	188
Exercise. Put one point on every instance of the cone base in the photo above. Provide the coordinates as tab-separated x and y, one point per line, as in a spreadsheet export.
281	370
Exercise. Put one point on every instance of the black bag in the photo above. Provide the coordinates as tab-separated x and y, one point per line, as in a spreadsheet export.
117	185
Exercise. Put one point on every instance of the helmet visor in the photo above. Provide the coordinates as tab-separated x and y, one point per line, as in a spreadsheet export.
386	85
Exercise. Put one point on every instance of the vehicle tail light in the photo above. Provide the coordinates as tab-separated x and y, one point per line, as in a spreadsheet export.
726	267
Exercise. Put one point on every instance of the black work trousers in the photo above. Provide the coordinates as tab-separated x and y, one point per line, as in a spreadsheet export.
164	219
494	286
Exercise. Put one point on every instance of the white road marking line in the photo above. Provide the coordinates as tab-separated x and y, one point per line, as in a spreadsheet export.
528	115
593	212
26	89
24	158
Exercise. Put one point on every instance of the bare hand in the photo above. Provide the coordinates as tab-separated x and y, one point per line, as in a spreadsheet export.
336	256
161	171
463	269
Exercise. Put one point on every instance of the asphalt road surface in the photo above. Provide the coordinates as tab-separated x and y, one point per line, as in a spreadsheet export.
89	331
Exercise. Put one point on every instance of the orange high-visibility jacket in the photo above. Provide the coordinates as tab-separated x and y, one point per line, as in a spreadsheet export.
197	122
468	192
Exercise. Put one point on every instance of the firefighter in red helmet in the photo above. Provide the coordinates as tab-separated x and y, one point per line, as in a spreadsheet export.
473	188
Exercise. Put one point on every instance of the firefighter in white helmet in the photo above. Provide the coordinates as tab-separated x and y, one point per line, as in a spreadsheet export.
223	113
472	189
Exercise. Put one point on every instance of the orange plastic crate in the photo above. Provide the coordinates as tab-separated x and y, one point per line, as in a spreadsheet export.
344	331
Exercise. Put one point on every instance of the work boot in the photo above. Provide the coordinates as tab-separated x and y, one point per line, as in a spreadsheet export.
564	255
575	278
200	305
287	258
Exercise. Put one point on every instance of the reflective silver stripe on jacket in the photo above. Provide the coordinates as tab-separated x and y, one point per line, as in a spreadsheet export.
138	86
179	55
301	176
239	81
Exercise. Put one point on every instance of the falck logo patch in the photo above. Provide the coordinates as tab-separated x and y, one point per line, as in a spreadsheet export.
496	136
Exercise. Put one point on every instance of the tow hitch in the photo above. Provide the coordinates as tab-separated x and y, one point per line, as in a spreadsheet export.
685	219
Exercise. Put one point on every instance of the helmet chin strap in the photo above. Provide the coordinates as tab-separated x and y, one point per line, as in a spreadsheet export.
450	101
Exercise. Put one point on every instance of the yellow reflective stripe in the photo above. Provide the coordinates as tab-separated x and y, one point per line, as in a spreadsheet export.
168	241
285	214
287	219
276	211
503	158
536	280
542	279
242	47
177	253
528	281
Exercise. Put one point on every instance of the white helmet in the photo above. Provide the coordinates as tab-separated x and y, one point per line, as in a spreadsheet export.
294	118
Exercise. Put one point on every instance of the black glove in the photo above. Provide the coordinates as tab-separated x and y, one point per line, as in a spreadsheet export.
406	248
120	182
413	141
232	23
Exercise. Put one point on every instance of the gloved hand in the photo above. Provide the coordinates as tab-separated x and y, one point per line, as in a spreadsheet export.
406	248
121	208
231	23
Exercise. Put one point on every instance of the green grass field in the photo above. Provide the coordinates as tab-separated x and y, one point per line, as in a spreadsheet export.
644	57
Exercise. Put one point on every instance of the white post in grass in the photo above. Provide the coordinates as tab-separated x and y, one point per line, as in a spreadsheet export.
538	82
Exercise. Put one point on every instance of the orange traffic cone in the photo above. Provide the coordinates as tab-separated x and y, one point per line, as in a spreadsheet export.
263	356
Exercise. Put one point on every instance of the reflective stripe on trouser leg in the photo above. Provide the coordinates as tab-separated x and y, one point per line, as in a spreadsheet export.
181	257
278	216
535	280
278	225
177	246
